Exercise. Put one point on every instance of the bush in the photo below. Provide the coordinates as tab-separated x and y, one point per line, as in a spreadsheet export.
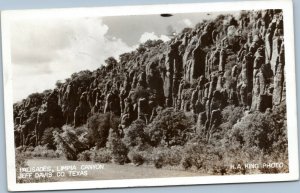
144	152
102	155
282	158
117	147
134	134
232	114
194	155
164	156
136	158
69	143
169	128
98	128
256	138
111	62
82	133
202	155
84	156
39	151
48	139
262	130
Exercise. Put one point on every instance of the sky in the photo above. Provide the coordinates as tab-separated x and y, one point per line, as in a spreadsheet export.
46	50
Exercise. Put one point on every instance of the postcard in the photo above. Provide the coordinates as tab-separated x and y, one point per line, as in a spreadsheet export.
150	95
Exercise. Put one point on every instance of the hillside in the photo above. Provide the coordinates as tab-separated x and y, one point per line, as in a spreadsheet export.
212	96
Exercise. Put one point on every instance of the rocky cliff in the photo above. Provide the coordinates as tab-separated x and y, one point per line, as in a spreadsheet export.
221	62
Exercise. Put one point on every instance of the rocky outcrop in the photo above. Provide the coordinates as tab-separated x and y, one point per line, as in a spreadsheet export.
49	115
279	80
239	62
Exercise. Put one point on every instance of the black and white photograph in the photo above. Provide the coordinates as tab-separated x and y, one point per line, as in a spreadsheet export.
150	95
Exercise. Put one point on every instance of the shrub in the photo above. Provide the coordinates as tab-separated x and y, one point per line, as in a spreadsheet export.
69	143
48	139
257	138
117	147
125	57
102	155
152	43
164	156
84	156
262	130
134	134
282	158
82	78
136	158
82	133
50	154
232	114
194	155
39	151
144	151
98	128
202	155
169	128
111	62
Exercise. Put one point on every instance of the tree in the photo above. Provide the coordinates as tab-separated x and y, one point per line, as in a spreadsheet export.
48	138
82	78
152	43
111	62
58	84
126	57
169	128
98	128
141	49
134	134
263	130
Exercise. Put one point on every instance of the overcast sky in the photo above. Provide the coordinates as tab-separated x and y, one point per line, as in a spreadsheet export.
47	50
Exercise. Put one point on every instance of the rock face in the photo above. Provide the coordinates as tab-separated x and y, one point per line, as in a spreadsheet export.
239	62
49	115
173	67
279	86
81	111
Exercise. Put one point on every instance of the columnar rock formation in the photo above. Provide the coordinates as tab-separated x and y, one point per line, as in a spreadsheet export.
239	62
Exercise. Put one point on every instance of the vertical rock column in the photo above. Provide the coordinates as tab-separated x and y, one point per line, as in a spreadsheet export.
173	72
198	62
246	78
278	93
258	80
168	78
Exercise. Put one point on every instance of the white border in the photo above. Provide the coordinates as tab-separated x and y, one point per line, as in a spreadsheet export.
286	5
